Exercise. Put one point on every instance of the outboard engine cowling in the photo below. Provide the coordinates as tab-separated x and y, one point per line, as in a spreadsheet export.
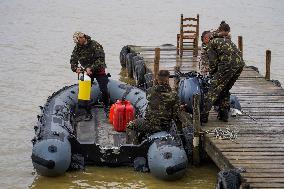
187	88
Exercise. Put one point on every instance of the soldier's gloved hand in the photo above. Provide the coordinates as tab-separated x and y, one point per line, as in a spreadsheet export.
183	107
89	71
78	70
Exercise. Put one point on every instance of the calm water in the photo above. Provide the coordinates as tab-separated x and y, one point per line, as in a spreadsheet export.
35	46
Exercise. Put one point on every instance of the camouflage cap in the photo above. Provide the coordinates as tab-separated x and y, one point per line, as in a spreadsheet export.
76	36
164	73
163	76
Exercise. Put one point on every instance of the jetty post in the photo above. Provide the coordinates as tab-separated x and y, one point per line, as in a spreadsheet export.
240	44
156	62
268	63
197	129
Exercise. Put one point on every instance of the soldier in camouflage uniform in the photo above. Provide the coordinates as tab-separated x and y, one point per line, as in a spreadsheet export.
222	31
203	60
163	107
90	54
225	66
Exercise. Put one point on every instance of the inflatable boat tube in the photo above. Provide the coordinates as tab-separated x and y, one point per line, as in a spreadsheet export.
166	157
135	60
129	64
124	51
139	73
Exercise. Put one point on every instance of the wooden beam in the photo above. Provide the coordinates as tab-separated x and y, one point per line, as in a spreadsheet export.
197	129
268	63
156	62
240	44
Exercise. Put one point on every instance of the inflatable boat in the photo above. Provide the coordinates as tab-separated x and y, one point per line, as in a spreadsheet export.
64	140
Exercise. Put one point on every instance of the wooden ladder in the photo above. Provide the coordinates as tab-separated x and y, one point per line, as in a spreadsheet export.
187	39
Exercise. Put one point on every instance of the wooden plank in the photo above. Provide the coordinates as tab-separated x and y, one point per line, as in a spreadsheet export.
267	180
263	175
253	157
252	149
263	170
258	161
266	185
234	145
248	141
259	166
216	155
255	154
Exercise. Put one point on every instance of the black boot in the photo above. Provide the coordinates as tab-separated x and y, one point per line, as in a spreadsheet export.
204	117
223	115
106	110
88	117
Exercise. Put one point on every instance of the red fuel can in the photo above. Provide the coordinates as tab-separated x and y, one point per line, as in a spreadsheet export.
123	113
110	117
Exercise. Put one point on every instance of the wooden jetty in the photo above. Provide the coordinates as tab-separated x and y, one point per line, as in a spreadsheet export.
259	147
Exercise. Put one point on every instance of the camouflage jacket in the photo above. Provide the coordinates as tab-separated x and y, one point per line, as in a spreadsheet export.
203	60
90	54
163	106
223	50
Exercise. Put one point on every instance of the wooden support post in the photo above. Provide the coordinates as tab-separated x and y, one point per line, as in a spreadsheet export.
178	44
181	37
240	44
268	63
156	62
197	128
196	112
176	80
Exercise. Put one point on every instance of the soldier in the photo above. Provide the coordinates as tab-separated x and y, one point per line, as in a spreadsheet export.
163	107
90	54
225	66
203	60
222	31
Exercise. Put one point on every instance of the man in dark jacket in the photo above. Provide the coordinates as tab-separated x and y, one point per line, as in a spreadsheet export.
225	66
91	56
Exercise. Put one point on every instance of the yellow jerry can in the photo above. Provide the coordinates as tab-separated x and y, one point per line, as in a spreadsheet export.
84	88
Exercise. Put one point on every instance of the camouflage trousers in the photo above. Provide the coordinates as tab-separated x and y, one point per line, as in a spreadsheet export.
140	128
221	83
143	126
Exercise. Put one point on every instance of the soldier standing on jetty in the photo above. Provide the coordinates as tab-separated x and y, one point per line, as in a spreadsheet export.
222	31
225	67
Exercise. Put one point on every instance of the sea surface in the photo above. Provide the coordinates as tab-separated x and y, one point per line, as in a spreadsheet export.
35	47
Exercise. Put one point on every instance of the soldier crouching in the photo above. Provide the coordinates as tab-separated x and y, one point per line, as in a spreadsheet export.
163	107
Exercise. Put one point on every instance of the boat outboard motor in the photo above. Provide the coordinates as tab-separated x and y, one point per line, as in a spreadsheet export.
187	89
167	159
